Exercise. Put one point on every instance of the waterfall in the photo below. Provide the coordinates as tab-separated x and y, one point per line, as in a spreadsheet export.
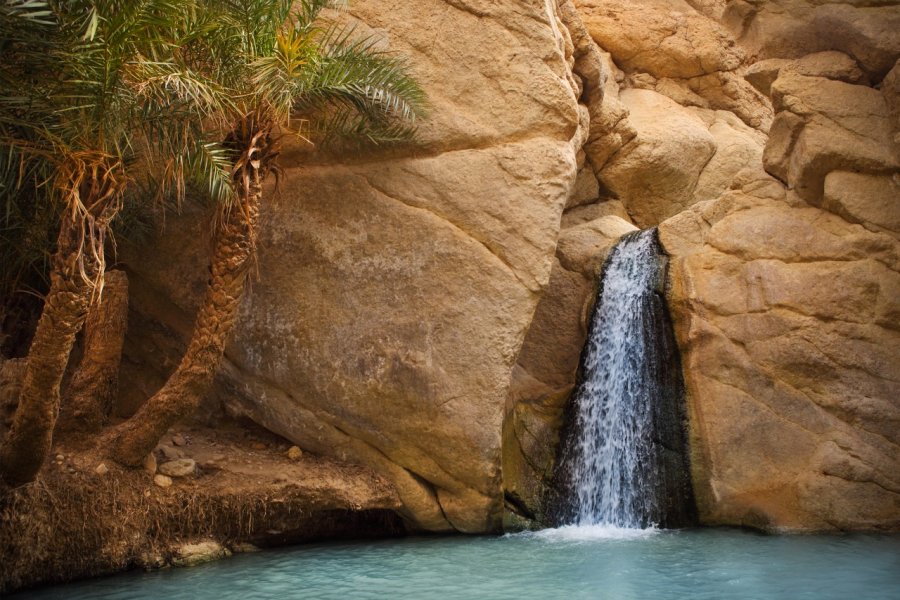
623	457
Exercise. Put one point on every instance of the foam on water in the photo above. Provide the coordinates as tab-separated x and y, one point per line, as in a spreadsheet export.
586	533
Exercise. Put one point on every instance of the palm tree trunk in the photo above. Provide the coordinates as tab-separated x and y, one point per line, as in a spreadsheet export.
93	388
181	394
65	307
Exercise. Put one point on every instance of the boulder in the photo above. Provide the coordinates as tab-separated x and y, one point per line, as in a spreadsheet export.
823	125
666	38
890	89
862	29
656	173
870	200
829	64
739	150
672	48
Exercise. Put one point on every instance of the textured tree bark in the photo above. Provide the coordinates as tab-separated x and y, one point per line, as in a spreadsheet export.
234	248
65	307
94	386
12	371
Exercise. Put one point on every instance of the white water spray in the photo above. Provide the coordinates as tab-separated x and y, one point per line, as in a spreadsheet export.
614	464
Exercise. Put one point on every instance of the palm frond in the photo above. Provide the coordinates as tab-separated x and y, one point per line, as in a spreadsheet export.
26	12
210	166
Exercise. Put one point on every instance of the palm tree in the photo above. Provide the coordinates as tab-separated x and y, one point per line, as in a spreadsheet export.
94	94
289	74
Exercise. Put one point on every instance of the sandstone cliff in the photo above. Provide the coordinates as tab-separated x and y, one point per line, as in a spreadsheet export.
771	170
394	290
422	310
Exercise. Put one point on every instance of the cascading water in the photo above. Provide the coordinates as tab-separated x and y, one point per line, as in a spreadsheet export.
623	458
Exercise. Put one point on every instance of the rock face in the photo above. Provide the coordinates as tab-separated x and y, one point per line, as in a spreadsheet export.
863	29
783	288
545	373
394	291
787	318
422	310
785	296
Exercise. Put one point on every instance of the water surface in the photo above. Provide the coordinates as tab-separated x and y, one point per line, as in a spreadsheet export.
570	562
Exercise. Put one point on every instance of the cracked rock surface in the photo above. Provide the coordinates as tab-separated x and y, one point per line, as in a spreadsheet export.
394	288
420	310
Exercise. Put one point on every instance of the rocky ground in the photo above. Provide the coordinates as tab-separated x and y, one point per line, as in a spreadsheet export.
203	494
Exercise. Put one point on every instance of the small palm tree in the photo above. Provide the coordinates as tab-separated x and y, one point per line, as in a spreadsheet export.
94	94
289	74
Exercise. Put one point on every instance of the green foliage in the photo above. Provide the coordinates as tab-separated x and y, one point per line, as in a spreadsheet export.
288	65
151	88
95	95
104	77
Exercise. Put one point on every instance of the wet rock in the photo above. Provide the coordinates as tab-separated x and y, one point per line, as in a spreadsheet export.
243	547
152	560
190	555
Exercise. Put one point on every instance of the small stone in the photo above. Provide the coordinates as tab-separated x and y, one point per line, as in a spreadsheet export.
258	446
181	467
294	453
171	453
152	561
179	440
162	481
101	469
150	463
60	458
189	555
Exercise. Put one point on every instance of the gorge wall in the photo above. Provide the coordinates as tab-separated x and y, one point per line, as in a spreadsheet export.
421	310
